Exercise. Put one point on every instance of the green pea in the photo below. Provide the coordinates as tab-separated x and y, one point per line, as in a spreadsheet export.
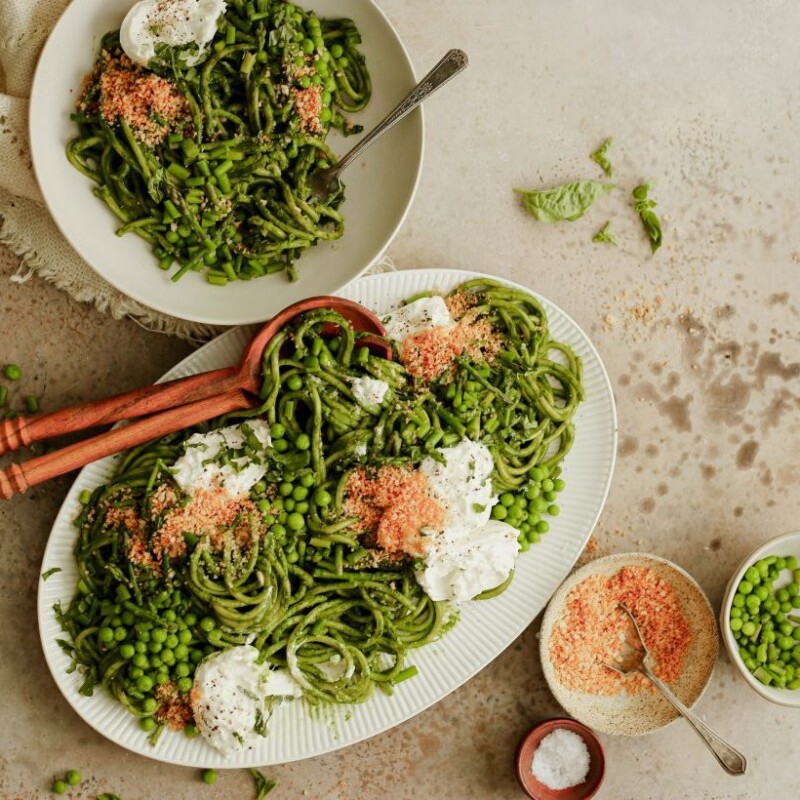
73	777
190	731
207	624
300	493
547	485
59	787
738	600
295	521
559	485
295	383
302	442
280	445
105	635
507	499
735	624
147	724
277	430
185	685
209	776
748	628
752	575
536	474
144	683
532	492
322	497
149	705
542	527
745	587
791	562
499	512
553	510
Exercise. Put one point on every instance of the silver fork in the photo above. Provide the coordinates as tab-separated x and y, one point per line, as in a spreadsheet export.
634	659
325	182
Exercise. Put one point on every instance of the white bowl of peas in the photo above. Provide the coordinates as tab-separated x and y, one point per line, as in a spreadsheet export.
760	619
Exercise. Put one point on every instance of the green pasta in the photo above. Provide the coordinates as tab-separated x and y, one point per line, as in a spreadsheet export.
210	163
293	573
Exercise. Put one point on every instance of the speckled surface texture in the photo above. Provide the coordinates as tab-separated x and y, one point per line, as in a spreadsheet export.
701	342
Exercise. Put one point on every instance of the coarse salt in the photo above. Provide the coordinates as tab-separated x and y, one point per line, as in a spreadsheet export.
561	760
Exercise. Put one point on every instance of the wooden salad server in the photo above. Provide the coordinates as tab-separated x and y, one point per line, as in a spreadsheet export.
186	402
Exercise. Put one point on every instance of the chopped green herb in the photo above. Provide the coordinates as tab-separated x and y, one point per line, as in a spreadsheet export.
263	786
567	202
3	395
644	208
260	726
32	404
478	507
49	572
599	156
605	235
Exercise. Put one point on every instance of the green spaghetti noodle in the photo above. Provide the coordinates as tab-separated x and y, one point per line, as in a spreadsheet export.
210	163
293	574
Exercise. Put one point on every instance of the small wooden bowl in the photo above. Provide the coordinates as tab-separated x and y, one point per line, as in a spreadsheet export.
537	790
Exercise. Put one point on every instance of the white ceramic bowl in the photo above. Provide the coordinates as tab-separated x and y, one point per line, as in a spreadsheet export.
379	188
786	545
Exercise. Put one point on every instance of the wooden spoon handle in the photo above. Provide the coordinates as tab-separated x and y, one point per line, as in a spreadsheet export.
17	478
22	431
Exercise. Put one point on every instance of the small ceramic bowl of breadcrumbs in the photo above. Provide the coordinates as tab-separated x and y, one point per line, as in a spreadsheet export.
584	629
560	759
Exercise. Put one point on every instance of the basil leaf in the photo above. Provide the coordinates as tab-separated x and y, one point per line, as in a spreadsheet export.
599	156
263	786
605	235
650	221
569	201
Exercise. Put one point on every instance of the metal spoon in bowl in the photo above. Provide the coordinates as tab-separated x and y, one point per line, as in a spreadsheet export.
634	658
325	182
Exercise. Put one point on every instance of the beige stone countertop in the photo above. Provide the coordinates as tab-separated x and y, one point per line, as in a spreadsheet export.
701	343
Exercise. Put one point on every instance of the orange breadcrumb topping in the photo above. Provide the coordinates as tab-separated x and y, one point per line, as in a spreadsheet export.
592	630
308	104
430	353
458	304
148	103
395	506
209	511
174	708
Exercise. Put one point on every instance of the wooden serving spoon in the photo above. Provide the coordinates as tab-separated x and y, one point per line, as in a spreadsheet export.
183	403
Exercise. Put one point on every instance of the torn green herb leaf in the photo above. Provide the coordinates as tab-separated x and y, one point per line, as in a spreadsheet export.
567	202
600	157
605	235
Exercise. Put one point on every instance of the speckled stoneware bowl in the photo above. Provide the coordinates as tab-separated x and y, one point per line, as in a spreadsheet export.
647	711
786	545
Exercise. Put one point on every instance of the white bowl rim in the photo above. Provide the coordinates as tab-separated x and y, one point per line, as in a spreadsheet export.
783	697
